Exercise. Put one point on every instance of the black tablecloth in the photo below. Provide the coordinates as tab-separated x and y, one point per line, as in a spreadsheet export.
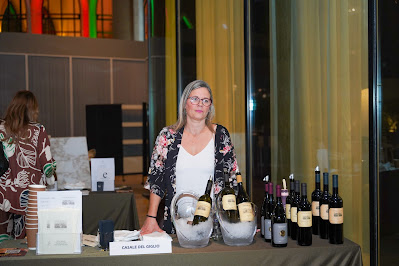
118	207
216	253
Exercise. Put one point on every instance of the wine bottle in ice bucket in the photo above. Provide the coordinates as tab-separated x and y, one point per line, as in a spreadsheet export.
229	199
204	205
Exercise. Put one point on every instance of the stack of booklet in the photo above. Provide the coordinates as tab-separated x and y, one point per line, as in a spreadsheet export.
60	222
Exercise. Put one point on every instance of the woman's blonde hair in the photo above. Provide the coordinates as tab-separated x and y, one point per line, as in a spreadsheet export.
182	119
23	109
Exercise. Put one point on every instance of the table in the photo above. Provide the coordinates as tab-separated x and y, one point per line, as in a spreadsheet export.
216	253
119	207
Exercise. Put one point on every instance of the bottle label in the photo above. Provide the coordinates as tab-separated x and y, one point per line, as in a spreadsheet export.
336	215
262	225
245	211
315	208
305	219
288	211
324	211
268	229
229	202
203	209
280	233
294	217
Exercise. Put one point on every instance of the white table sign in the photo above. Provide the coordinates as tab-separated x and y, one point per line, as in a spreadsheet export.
140	247
59	223
102	174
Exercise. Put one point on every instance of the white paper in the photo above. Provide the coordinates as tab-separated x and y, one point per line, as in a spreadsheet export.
140	247
90	240
103	170
60	222
58	243
155	236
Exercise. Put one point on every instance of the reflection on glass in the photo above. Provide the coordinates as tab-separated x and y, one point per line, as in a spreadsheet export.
122	19
389	136
319	106
220	62
259	101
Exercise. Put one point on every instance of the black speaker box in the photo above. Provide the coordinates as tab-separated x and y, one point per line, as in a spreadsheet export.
104	132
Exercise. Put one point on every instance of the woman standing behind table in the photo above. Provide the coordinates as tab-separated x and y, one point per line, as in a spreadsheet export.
187	153
27	148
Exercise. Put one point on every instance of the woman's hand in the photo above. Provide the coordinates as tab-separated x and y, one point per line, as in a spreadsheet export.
150	225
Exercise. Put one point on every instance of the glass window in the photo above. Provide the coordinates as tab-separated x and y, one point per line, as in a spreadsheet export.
122	19
388	14
220	62
319	101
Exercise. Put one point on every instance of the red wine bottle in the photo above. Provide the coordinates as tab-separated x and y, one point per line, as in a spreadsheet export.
324	200
336	215
316	195
304	219
264	206
204	205
269	214
279	223
294	211
288	203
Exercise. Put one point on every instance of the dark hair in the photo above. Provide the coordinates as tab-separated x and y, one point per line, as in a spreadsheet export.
22	110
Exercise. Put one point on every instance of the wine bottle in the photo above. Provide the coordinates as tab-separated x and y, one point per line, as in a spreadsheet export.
229	199
264	206
244	204
294	211
204	205
324	200
279	223
316	195
304	219
336	215
284	193
288	203
269	214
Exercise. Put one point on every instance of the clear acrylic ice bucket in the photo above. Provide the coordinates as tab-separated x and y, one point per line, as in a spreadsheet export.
182	211
236	234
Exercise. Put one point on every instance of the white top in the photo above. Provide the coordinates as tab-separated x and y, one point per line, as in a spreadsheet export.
193	171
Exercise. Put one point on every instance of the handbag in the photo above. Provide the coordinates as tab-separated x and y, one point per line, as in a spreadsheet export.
3	161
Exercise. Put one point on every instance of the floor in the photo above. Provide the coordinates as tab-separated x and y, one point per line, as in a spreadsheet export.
140	193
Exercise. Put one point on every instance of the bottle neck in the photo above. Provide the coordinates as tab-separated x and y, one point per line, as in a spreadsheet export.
317	185
292	188
271	198
226	180
326	187
208	188
278	200
335	190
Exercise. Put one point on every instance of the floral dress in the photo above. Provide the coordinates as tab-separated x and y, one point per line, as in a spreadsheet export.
162	173
30	162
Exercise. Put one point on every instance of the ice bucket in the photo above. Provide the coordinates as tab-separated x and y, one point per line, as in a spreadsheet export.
182	213
236	234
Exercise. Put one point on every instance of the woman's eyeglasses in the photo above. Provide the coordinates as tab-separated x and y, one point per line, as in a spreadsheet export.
205	101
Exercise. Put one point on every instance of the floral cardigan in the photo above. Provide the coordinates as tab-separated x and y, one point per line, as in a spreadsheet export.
162	173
